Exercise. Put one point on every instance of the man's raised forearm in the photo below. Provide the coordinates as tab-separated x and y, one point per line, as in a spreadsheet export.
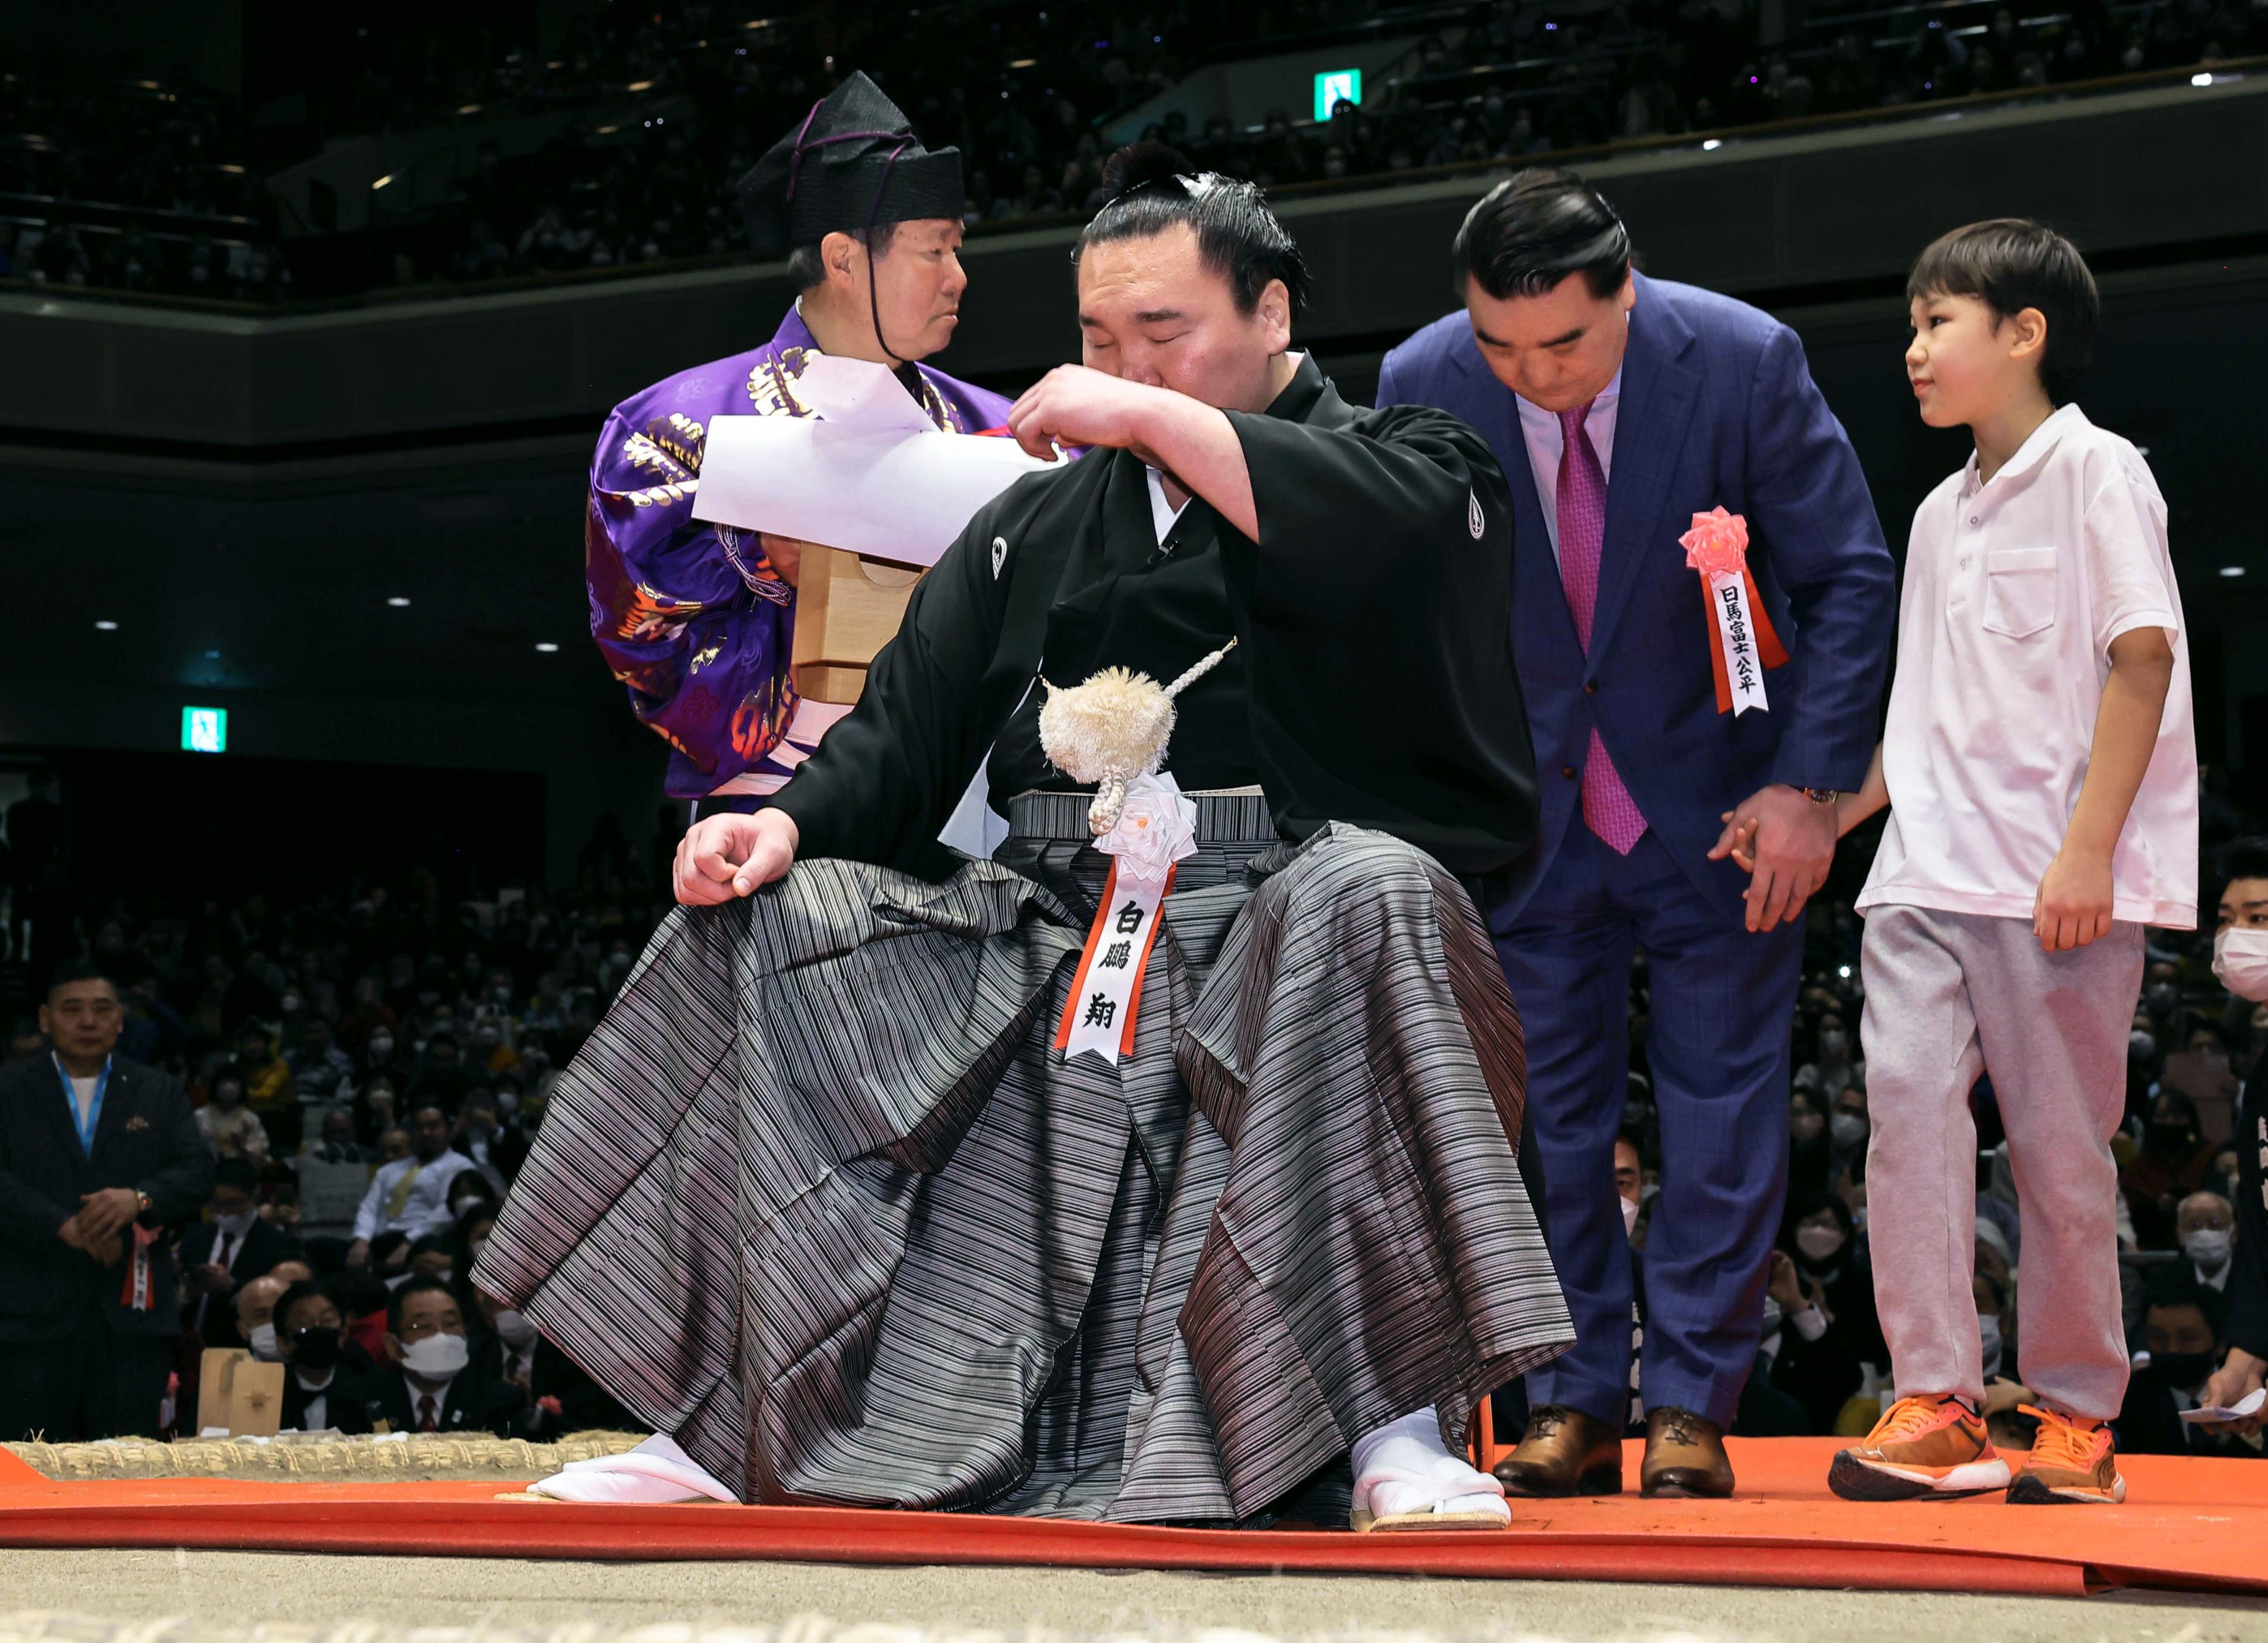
1198	446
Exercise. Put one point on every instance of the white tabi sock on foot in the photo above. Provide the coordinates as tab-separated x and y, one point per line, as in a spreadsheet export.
1403	1467
658	1472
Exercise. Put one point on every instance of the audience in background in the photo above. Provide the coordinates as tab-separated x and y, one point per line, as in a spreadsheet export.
556	168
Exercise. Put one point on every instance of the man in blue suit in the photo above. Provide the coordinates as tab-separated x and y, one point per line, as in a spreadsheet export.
1621	407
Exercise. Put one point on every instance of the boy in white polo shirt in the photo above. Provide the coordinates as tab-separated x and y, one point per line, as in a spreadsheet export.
2041	772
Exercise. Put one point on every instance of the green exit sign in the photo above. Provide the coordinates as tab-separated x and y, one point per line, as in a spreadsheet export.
1335	86
204	730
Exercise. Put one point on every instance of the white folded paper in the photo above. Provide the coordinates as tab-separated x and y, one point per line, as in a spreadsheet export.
2244	1409
868	472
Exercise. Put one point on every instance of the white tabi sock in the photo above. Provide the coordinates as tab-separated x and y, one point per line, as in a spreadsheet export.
1404	1467
658	1472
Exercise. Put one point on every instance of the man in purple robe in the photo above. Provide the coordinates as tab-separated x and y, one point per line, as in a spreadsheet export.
697	618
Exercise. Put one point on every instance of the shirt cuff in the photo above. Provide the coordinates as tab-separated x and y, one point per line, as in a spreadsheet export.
2127	622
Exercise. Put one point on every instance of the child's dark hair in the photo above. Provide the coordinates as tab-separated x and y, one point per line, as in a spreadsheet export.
1150	187
2010	264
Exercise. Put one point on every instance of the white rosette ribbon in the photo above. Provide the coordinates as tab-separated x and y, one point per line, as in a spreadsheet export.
1156	827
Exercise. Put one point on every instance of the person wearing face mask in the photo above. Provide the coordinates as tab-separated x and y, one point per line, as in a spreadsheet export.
2205	1224
378	1056
328	1386
431	1382
256	1316
1823	1241
1630	1180
1835	1065
2182	1326
1806	1358
2240	959
231	1128
560	1398
1847	1129
220	1255
470	1194
2165	1169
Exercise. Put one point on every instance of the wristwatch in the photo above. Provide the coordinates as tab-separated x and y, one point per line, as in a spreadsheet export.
142	1202
1821	795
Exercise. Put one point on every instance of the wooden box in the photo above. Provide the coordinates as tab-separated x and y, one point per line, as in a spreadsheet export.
847	608
237	1391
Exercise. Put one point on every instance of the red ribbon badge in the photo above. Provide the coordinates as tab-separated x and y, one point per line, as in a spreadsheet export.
1718	547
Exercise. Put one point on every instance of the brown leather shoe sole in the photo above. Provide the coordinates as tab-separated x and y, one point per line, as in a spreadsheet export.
1600	1475
1685	1482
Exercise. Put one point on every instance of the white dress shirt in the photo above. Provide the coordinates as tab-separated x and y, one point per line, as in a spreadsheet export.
317	1415
1539	430
427	1210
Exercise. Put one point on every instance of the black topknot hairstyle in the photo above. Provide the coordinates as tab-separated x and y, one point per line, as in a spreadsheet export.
1149	187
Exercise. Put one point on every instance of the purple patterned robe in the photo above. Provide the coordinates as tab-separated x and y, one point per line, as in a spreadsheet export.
691	616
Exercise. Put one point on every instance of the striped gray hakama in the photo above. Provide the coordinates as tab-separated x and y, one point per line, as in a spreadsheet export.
820	1198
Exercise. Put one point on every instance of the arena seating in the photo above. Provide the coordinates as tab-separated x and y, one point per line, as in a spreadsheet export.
620	149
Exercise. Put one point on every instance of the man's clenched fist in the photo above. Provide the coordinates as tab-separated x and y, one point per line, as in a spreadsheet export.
728	856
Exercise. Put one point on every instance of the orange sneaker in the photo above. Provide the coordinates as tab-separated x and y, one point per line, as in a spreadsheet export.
1925	1446
2073	1462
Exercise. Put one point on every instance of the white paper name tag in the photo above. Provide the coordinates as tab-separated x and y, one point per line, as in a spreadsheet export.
1099	1017
1736	633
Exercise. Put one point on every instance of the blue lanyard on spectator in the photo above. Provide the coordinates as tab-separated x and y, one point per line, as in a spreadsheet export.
86	1125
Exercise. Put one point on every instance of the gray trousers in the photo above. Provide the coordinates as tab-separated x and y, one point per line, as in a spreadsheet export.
1948	996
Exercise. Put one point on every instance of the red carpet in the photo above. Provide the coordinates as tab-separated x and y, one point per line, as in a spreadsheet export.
2188	1524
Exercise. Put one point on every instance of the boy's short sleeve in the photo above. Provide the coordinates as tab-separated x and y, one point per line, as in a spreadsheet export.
2129	568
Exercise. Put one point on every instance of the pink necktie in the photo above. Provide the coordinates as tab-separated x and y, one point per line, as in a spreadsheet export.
1608	808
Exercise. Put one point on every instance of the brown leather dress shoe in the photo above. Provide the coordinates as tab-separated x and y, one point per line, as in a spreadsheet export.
1564	1452
1684	1457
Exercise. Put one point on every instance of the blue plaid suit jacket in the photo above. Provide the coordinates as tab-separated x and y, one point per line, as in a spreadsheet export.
1716	407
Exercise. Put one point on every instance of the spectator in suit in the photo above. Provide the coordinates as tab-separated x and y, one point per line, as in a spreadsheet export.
2205	1224
432	1383
329	1381
560	1397
411	1195
231	1128
99	1156
220	1255
2181	1335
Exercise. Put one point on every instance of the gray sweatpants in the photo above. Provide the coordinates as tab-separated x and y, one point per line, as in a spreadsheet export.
1949	995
